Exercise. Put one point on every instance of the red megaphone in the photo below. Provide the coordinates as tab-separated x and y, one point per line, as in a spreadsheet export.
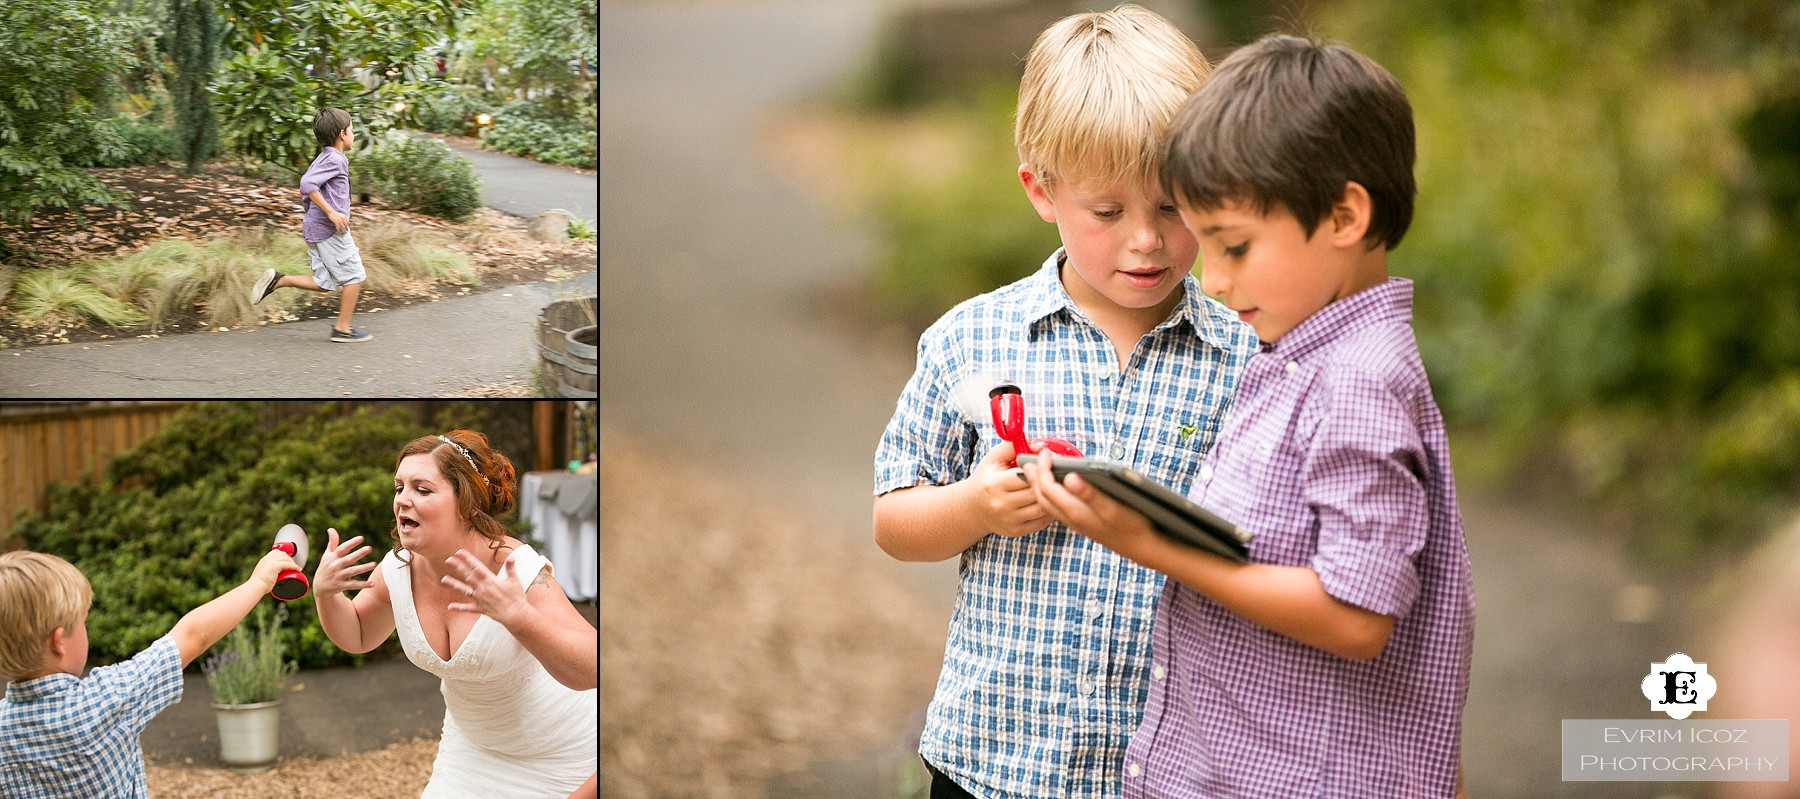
291	585
1007	403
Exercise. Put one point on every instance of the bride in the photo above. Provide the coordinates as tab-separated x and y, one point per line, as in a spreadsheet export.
481	610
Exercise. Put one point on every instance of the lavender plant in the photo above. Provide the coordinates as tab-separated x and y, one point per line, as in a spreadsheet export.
250	668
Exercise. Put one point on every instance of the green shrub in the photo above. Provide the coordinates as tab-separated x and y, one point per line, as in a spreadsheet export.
419	173
146	142
183	517
959	235
1603	294
530	129
454	111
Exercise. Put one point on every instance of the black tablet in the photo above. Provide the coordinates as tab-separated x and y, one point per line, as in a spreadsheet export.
1170	513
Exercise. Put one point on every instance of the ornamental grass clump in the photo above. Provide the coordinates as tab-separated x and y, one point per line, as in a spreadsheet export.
250	668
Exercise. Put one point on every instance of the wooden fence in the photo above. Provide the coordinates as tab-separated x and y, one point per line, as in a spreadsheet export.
40	449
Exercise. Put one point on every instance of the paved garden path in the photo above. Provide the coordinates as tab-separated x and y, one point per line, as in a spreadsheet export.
712	345
523	187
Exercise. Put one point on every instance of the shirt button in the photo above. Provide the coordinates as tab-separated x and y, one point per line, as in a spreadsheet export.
1206	471
1118	451
1293	366
1087	686
1158	672
1093	608
1132	770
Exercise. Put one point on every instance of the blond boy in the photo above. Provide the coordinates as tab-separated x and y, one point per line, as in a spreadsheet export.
64	736
1048	659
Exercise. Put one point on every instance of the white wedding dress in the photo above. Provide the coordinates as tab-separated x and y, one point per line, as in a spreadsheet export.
510	729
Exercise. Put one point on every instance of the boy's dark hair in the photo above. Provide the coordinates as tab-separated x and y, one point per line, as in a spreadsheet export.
329	124
1290	121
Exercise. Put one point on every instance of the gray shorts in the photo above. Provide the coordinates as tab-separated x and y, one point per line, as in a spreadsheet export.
335	261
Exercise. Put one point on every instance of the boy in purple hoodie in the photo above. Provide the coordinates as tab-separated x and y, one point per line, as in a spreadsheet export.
325	199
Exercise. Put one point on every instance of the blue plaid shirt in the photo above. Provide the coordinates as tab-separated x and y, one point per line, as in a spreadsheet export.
1045	669
65	737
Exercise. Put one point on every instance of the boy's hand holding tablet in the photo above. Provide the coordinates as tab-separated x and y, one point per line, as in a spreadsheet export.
1119	508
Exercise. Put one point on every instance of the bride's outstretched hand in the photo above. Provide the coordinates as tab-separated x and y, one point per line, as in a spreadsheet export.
497	596
338	568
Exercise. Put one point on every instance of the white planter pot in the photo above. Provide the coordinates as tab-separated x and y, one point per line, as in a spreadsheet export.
249	735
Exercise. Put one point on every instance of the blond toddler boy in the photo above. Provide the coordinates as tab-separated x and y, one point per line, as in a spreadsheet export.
63	736
1048	660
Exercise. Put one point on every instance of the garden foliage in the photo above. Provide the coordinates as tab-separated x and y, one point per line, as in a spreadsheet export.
194	48
539	49
248	668
373	59
184	516
1605	271
419	173
957	235
530	129
58	65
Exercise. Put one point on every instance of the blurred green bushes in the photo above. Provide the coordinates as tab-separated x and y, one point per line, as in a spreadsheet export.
1607	293
967	229
184	516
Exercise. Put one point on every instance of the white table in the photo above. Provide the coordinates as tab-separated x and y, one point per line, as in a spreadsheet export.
563	510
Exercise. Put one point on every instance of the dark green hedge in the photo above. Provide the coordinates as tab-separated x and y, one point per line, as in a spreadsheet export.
184	516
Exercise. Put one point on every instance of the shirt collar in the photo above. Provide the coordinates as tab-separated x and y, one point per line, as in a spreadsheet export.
1390	301
1209	320
38	688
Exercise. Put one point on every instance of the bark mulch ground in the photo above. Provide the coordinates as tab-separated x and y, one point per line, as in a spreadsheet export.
739	640
400	770
221	201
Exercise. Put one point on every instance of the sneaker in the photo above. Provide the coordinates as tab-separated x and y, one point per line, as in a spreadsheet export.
264	285
353	336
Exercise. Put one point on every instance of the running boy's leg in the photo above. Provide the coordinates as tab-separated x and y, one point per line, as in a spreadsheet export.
347	305
272	280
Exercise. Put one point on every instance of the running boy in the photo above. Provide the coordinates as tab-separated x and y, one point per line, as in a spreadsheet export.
63	735
1336	662
325	200
1117	350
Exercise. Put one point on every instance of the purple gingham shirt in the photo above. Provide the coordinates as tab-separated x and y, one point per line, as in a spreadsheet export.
1334	455
329	175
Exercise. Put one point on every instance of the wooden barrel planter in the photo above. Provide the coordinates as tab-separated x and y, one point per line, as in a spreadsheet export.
581	362
554	324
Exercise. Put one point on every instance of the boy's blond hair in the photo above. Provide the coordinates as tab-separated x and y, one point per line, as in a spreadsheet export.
1098	92
38	593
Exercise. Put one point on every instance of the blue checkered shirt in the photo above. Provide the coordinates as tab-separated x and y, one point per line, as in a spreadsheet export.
1049	643
65	737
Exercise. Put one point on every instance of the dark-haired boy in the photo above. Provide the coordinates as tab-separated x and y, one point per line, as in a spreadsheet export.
1336	662
325	200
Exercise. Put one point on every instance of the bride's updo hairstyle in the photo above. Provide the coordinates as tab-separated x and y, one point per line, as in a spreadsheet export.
482	479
